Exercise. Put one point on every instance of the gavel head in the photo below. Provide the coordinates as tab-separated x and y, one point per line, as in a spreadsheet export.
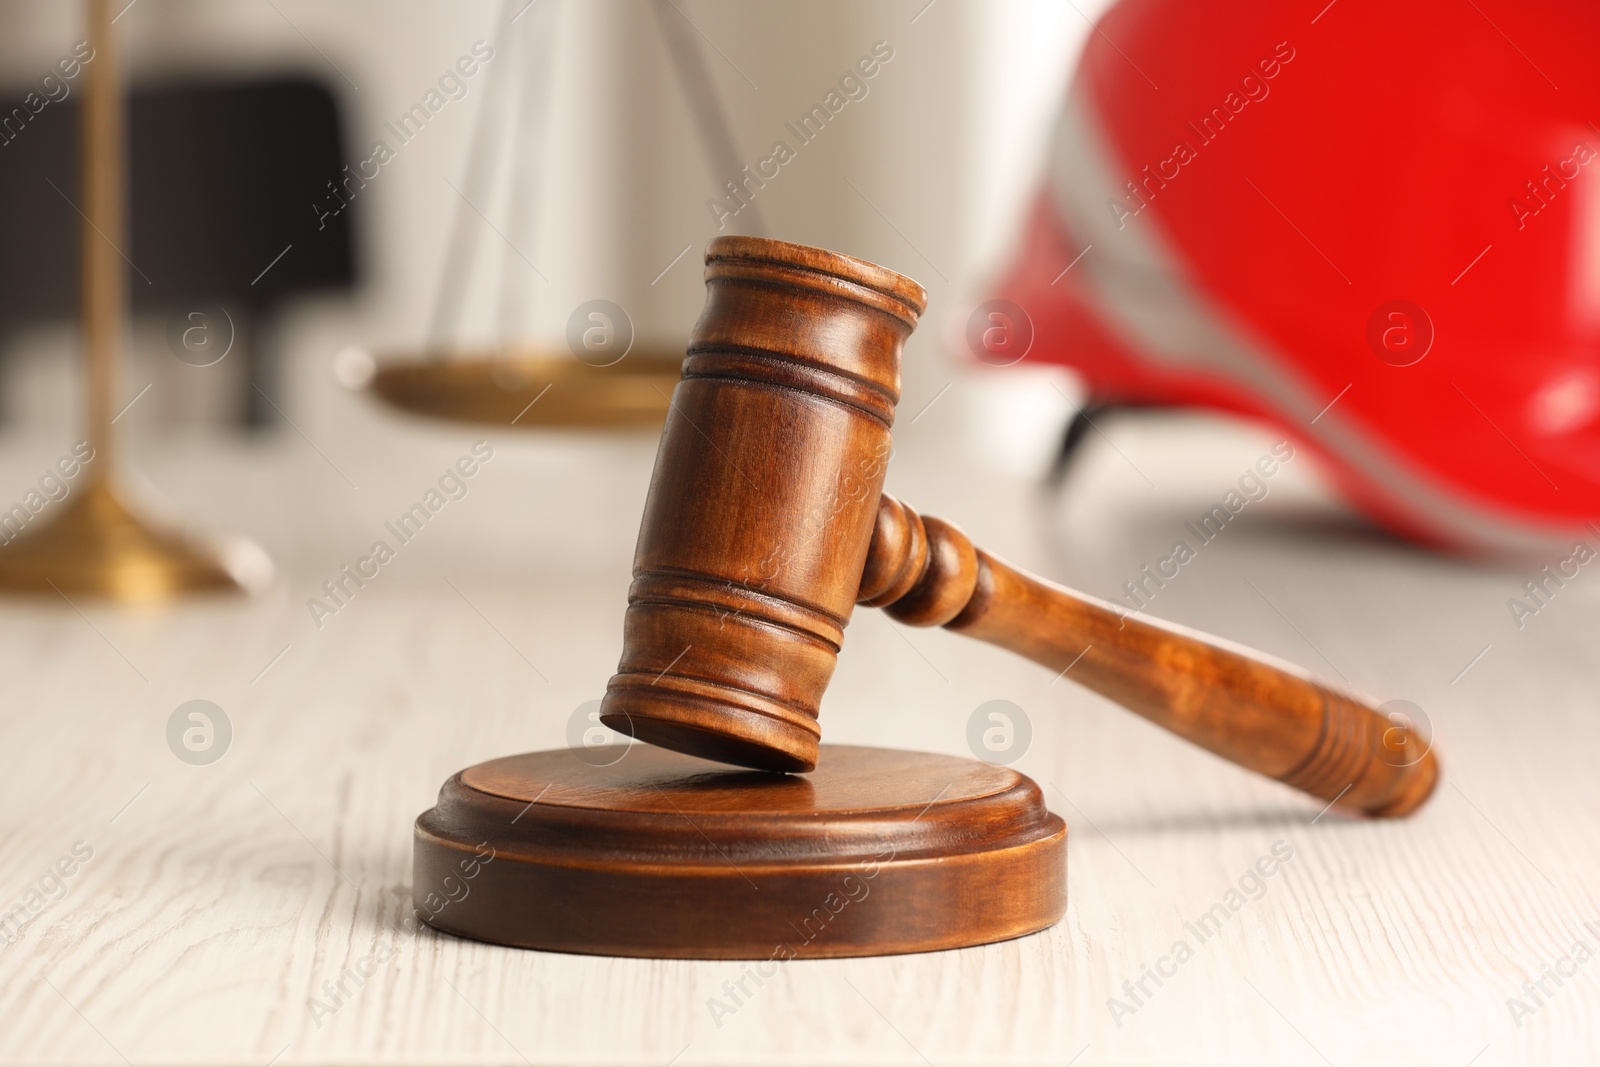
762	505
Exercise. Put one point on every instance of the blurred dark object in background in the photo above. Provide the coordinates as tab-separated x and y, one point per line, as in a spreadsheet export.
224	178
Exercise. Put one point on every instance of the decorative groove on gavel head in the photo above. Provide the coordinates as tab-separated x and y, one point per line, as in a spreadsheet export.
762	503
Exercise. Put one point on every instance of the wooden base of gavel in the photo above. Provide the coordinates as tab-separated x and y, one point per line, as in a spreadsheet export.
765	524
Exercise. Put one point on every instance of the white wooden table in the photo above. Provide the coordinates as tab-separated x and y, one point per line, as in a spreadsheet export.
219	899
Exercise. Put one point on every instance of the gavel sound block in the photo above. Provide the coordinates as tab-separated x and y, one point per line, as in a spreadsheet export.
765	524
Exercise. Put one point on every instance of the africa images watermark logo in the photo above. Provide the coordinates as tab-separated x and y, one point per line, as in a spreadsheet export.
451	887
54	486
342	588
999	731
199	732
1537	993
1253	87
1541	589
852	86
1252	488
54	87
1248	888
852	887
46	890
452	85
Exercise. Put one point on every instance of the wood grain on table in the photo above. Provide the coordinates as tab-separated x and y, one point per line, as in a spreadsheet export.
223	905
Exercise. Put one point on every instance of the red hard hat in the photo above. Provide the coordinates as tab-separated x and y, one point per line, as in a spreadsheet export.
1374	224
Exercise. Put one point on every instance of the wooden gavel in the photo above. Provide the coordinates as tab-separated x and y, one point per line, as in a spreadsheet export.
766	522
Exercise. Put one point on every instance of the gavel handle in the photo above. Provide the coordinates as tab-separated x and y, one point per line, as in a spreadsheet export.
1262	714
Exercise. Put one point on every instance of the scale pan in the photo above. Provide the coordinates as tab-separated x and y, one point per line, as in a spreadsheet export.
531	388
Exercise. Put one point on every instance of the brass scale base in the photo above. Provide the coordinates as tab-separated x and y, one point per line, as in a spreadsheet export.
96	545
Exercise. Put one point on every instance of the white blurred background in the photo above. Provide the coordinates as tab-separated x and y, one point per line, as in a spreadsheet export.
602	179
